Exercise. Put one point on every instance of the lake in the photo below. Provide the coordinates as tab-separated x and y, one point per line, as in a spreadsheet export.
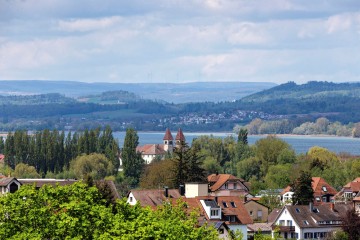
300	144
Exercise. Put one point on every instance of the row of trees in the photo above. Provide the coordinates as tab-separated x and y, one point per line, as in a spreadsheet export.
320	126
79	211
51	151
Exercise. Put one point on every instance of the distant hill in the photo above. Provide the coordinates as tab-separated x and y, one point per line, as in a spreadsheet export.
49	98
169	92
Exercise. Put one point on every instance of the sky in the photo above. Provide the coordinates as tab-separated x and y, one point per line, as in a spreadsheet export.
176	41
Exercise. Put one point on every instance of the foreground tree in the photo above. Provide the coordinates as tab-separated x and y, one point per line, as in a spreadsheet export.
303	191
132	162
351	224
79	212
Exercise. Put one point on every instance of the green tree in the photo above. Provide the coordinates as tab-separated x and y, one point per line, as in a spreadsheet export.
302	188
132	162
243	136
351	224
23	170
95	165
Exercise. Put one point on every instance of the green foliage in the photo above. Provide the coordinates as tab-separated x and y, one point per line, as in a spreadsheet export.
132	162
95	165
80	212
243	136
25	171
303	192
351	224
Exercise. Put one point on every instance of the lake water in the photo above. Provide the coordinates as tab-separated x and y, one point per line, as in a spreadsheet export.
300	144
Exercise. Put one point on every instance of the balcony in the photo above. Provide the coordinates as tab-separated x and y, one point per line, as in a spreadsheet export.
285	228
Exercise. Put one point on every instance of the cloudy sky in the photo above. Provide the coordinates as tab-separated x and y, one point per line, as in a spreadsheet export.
180	40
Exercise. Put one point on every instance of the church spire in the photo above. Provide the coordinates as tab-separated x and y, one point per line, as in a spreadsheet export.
168	141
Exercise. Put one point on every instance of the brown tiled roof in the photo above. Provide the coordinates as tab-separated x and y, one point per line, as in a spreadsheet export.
217	180
239	211
263	227
154	197
322	213
5	181
180	136
353	183
52	182
273	215
151	149
168	135
318	184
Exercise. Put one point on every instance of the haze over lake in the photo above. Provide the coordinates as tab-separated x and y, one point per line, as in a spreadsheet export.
300	144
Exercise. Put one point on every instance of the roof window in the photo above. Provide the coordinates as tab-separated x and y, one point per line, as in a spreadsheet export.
297	210
324	189
233	204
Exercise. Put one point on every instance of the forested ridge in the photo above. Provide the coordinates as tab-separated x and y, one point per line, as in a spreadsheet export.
122	109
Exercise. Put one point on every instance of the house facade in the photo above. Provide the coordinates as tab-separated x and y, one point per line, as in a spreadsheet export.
323	192
9	184
349	191
256	210
227	185
309	221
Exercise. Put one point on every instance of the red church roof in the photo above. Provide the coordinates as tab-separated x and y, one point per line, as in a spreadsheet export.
168	135
180	136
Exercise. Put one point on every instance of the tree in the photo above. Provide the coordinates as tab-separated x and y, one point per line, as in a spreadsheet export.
351	224
157	174
302	188
132	162
96	165
243	136
23	170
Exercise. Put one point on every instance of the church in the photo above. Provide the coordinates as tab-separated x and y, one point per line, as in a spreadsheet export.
151	151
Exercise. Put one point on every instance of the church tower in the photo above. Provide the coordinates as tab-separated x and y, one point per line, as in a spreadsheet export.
168	141
180	138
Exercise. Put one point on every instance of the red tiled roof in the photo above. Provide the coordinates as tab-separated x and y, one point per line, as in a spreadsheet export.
180	136
154	197
151	149
220	179
355	186
318	184
287	189
348	185
168	135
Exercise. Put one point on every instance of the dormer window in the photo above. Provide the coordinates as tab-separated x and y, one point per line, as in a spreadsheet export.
214	213
233	204
225	204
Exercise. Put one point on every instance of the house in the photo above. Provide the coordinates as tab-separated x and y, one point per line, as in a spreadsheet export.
149	152
224	212
262	228
323	192
228	185
309	221
257	211
9	184
349	191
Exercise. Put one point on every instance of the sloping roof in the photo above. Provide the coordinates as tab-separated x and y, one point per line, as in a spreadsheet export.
263	227
307	218
217	180
5	181
151	149
318	185
274	214
353	184
43	181
180	136
154	197
239	210
168	135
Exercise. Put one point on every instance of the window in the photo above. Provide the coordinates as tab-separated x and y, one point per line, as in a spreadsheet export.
324	189
324	199
251	213
306	222
225	204
317	199
233	204
297	210
131	199
235	185
282	222
221	231
230	218
214	212
308	235
289	222
226	186
259	213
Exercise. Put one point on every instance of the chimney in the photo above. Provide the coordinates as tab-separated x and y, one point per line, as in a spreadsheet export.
332	206
166	191
182	190
216	173
311	206
216	200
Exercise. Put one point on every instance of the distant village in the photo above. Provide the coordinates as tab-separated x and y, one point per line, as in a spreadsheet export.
224	201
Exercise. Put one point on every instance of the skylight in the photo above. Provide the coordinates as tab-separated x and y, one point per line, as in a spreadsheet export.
297	210
225	204
306	222
324	189
233	204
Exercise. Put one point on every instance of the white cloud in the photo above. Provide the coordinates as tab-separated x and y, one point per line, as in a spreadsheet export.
84	25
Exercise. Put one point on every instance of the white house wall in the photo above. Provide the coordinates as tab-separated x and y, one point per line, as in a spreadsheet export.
241	228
